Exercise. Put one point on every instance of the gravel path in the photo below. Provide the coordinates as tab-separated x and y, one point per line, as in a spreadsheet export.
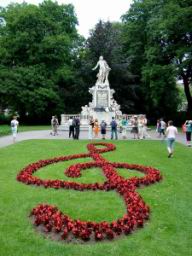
7	140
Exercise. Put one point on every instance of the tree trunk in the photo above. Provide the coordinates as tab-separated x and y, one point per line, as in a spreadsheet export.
188	95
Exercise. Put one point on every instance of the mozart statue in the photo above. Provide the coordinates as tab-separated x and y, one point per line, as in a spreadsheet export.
102	76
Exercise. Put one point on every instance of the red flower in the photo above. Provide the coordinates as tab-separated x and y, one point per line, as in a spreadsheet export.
98	235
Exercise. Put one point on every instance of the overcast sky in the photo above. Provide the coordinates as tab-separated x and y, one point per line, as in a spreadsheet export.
89	11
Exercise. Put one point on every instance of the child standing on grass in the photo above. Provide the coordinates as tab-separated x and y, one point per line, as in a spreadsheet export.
14	127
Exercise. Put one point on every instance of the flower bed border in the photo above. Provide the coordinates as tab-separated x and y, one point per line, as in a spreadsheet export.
53	220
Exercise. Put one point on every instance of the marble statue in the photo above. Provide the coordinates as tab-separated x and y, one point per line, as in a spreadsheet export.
85	110
103	106
102	76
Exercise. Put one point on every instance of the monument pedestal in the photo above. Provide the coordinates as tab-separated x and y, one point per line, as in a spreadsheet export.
103	105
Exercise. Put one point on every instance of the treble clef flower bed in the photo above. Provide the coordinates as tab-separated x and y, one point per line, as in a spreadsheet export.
54	221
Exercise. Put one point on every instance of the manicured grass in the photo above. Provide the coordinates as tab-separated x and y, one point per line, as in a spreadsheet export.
6	130
168	232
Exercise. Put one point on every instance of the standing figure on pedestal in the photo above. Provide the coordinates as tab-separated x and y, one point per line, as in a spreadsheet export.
102	76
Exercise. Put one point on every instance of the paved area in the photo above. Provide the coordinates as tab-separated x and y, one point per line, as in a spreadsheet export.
63	135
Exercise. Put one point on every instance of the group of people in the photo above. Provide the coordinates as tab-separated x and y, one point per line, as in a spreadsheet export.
95	128
74	127
136	124
170	132
186	128
73	123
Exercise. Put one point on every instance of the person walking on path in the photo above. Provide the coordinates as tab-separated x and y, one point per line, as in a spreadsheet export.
71	127
113	128
162	127
14	128
77	128
55	125
188	128
103	129
171	133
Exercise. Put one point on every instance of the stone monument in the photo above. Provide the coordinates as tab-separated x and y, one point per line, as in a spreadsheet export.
103	106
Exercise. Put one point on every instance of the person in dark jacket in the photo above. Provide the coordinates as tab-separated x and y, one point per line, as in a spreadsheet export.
103	127
76	123
113	128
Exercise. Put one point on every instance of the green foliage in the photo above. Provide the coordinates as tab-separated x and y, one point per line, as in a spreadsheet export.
46	67
28	88
36	46
157	40
172	26
161	93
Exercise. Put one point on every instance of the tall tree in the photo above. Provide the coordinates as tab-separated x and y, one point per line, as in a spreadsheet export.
172	25
36	57
153	69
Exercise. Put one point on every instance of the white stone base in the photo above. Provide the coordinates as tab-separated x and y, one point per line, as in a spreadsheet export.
106	116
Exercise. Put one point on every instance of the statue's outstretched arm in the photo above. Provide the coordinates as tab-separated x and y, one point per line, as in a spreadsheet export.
96	66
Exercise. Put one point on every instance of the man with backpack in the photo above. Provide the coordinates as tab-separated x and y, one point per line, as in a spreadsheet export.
113	125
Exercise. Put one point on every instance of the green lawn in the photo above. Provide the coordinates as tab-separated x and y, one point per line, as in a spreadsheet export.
168	232
6	130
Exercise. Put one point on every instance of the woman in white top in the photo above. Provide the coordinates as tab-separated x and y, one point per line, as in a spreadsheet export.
171	133
14	125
